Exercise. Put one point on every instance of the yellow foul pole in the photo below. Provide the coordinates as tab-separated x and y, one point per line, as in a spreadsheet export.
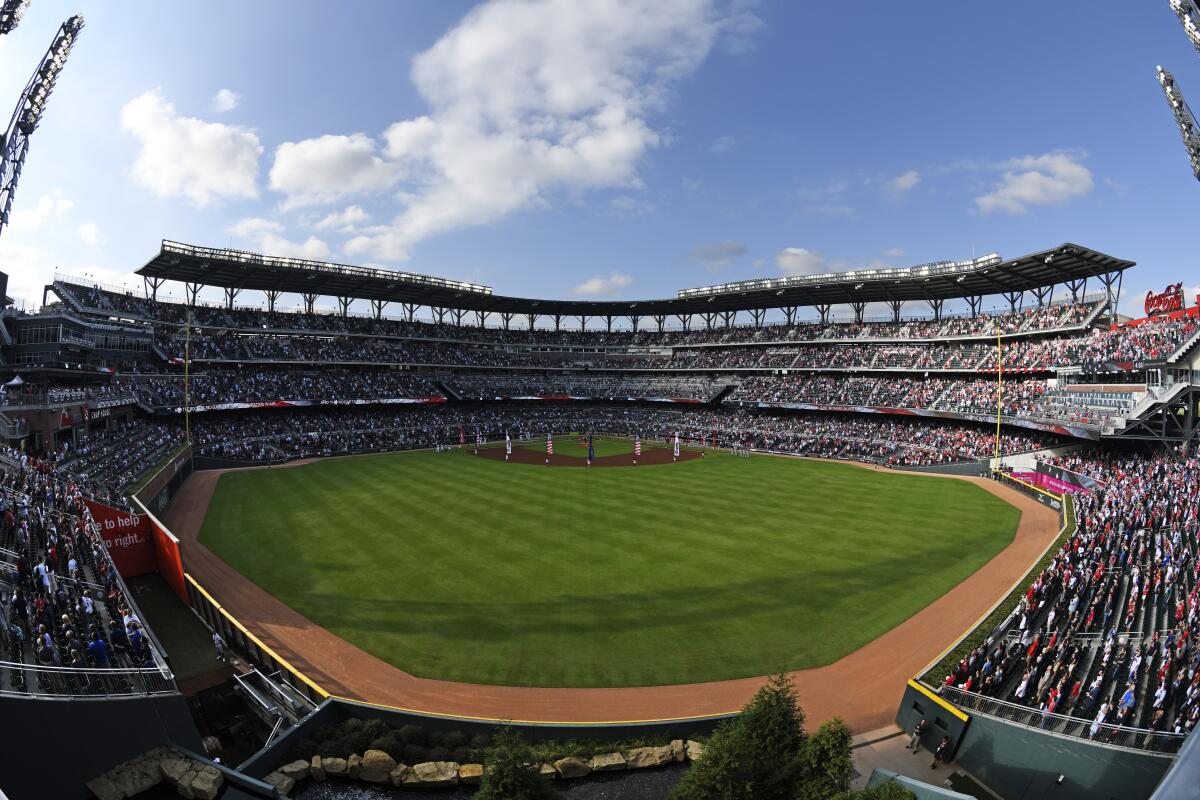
999	391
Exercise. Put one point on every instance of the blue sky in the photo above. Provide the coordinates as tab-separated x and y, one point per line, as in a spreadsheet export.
623	149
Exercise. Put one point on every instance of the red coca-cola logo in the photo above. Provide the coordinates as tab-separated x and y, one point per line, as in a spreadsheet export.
1167	301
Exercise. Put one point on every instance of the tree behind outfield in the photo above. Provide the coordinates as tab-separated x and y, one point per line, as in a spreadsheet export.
510	773
827	765
884	791
757	756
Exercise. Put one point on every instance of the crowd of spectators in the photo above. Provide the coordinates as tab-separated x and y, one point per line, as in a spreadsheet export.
1107	632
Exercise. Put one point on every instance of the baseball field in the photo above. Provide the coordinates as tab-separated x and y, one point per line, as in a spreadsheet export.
460	567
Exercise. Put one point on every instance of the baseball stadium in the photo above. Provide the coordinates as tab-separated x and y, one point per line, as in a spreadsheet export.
279	526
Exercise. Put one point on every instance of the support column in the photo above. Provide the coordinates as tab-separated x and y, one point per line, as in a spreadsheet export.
758	315
482	317
230	295
859	309
708	317
685	320
895	305
1078	288
1044	295
152	285
583	321
1110	280
506	317
1015	300
309	299
532	320
344	305
661	319
377	307
557	322
272	297
975	301
439	314
458	316
936	307
410	311
823	311
191	290
789	313
608	319
729	318
634	319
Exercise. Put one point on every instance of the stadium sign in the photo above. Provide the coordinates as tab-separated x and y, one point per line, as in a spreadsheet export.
1166	301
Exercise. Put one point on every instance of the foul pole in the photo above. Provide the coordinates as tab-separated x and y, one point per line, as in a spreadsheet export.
999	393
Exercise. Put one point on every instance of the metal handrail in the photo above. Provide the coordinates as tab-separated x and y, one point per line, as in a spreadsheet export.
1105	734
91	681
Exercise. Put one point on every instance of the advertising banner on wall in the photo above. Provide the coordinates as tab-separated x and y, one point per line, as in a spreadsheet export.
127	537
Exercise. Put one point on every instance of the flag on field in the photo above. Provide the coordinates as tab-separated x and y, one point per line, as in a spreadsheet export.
462	436
637	445
591	449
478	436
549	444
677	444
507	444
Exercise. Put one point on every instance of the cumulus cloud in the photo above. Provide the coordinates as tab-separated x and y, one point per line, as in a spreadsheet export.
525	100
716	257
893	252
794	261
51	205
902	183
89	234
1052	179
722	145
327	168
601	286
225	100
344	221
266	236
189	157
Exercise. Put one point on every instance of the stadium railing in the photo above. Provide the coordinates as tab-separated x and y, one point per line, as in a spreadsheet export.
68	682
1062	725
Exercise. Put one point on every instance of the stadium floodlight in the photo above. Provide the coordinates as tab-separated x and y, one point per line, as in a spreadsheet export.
1189	17
14	141
1188	129
11	12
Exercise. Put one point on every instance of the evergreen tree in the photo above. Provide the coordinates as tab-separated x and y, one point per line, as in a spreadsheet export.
827	762
510	773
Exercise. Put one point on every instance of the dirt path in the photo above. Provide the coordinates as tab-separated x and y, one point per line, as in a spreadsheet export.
863	687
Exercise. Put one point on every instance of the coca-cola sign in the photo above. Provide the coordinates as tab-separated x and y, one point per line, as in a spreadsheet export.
1165	302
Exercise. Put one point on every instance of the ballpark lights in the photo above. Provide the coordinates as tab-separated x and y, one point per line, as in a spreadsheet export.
1188	13
926	271
1188	128
11	12
46	76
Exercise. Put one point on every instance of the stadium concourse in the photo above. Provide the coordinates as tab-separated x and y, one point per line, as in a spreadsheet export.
114	396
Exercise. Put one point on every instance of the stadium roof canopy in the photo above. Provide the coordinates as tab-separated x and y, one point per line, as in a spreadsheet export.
990	275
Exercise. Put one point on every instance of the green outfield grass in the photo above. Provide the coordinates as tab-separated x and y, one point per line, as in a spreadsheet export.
577	446
457	567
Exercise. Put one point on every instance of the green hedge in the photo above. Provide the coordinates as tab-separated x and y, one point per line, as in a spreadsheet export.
938	672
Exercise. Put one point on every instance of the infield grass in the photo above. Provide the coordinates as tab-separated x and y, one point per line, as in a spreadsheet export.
462	568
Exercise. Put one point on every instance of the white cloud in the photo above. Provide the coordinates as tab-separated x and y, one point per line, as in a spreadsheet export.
225	101
628	204
1047	180
188	157
902	183
322	170
722	145
51	205
799	261
89	234
893	252
601	286
266	236
716	257
347	220
526	100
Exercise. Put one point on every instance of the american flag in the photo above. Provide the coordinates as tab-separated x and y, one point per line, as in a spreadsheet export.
549	444
637	445
507	444
478	436
677	445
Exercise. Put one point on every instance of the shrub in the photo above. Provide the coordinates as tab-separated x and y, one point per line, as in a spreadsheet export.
415	754
440	754
454	740
412	734
305	748
827	763
390	743
464	755
509	776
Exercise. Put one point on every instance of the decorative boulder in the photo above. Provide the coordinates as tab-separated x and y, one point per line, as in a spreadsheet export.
316	769
376	767
174	767
695	750
432	775
678	751
105	789
640	757
353	765
547	771
572	767
207	781
296	770
397	775
470	774
282	783
608	762
334	767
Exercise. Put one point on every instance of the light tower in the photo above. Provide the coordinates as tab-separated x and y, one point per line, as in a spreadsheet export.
1188	128
1189	17
10	14
14	142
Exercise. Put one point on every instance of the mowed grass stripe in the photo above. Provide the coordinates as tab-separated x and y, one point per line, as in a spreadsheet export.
462	568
